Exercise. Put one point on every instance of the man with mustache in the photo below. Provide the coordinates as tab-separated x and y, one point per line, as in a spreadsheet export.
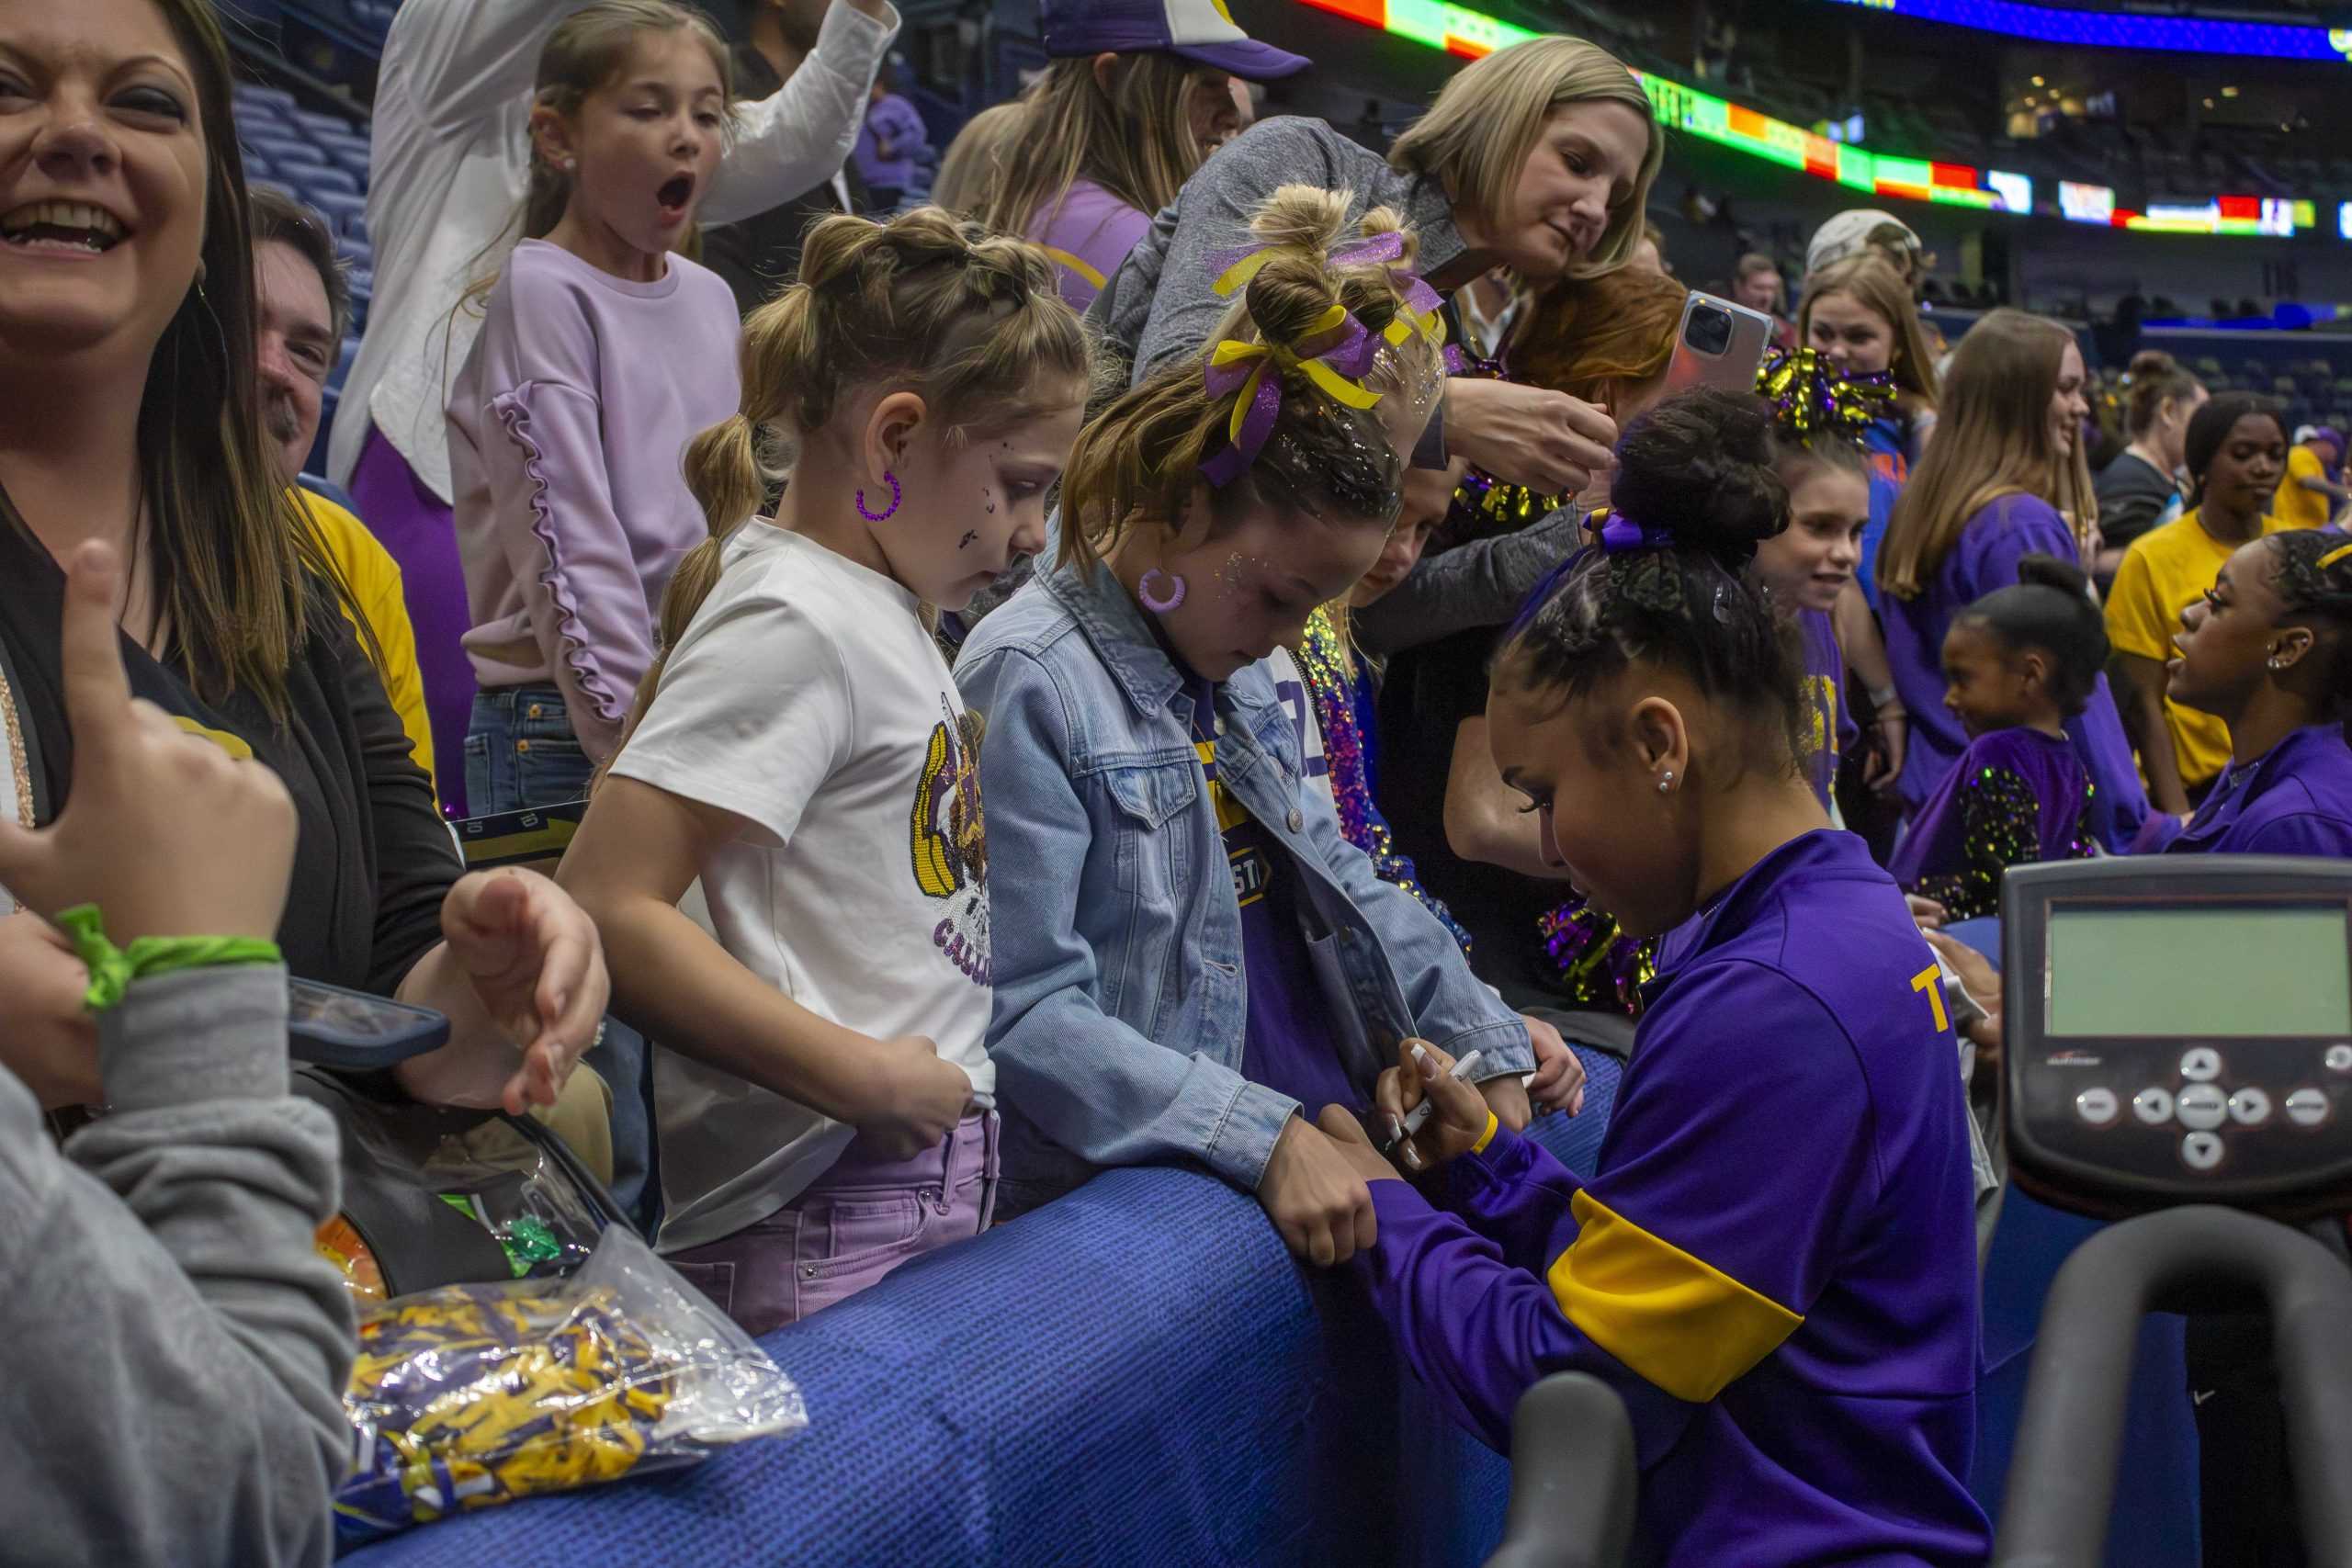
301	309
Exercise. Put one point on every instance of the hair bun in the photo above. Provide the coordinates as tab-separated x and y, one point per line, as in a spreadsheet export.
1699	467
2152	362
2052	571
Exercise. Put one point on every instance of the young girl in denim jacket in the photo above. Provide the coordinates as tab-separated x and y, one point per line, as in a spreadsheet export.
1192	953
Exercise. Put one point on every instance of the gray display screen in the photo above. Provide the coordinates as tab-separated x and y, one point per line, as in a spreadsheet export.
2208	970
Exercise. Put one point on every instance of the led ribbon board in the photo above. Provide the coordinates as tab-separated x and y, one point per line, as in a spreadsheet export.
2115	29
1463	32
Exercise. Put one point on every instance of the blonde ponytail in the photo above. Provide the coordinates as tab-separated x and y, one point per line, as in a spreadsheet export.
927	302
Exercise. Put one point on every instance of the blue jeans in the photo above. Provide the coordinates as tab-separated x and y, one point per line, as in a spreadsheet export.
521	753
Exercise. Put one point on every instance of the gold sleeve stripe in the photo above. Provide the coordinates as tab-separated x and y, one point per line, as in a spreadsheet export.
1683	1324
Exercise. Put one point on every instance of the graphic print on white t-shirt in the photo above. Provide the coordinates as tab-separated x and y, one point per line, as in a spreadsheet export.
950	850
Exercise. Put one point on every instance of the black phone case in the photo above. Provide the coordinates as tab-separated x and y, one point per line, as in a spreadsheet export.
324	1046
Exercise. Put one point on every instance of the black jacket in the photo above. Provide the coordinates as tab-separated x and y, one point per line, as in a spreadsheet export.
374	860
759	256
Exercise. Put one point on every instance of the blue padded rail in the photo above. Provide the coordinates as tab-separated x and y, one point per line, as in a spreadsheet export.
1135	1374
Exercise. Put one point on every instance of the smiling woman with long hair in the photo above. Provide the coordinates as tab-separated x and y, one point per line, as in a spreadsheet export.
2003	478
128	414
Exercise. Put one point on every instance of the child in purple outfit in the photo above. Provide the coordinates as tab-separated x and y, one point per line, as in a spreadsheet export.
2019	663
886	145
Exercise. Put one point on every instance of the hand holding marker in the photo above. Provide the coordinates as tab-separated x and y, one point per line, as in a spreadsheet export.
1421	1113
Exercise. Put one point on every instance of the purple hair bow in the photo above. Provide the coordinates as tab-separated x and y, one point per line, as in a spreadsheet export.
1621	534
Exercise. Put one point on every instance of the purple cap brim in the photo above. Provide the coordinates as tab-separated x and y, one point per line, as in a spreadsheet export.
1248	59
1112	29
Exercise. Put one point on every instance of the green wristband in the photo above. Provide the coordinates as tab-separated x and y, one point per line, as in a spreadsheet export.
112	968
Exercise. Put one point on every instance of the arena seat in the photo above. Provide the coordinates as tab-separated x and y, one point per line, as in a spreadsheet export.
1136	1372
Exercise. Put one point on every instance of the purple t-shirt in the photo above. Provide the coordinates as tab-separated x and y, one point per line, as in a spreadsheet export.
893	121
2016	796
1087	233
1830	728
2294	799
1983	559
1286	1044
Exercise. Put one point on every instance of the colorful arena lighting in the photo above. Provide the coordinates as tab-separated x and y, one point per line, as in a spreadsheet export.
2238	215
2117	30
1468	34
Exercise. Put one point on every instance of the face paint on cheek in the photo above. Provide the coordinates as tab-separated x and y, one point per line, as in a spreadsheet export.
1240	574
965	543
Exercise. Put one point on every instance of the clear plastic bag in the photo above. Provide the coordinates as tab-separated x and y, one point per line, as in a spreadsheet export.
471	1396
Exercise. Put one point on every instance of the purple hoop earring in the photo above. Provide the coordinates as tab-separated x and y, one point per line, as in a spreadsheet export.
1152	600
887	513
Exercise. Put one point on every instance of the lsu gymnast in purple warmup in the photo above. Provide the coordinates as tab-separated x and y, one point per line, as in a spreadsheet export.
1775	1263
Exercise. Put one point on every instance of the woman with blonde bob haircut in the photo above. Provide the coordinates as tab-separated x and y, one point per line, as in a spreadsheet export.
2004	479
1539	157
1479	139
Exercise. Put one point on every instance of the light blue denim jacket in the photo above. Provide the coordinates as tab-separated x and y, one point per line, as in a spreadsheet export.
1115	940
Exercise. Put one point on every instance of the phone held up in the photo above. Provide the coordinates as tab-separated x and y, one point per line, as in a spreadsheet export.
1719	345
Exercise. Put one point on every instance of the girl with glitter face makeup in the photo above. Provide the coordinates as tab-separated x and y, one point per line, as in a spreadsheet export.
1196	962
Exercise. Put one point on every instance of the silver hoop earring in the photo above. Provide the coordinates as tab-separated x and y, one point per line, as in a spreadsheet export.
1666	782
2276	663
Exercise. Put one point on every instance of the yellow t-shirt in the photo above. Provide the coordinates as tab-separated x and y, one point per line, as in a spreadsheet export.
2164	571
2298	507
374	579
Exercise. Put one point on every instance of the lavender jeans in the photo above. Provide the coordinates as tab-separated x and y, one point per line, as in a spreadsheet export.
859	1220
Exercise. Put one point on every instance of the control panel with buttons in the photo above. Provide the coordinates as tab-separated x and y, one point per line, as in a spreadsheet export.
2178	1028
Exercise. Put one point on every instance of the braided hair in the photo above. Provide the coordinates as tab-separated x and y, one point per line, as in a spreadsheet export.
2314	582
1695	484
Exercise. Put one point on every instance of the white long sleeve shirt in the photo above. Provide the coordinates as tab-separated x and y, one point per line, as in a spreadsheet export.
451	161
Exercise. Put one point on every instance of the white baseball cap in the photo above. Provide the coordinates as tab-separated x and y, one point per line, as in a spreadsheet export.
1849	233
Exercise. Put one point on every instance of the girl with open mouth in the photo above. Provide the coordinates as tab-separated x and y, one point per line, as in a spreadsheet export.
602	354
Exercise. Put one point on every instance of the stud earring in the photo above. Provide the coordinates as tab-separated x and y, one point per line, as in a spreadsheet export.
1666	782
2277	663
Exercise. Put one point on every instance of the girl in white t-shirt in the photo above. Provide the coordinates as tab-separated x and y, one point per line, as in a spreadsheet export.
824	1087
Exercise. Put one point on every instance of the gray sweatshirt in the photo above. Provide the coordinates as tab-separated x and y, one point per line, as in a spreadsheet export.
175	1349
1163	302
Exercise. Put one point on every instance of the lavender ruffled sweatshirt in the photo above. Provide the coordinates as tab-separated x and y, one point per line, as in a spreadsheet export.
568	429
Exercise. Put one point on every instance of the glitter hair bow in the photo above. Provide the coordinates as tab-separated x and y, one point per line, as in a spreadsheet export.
1338	370
1812	396
1422	307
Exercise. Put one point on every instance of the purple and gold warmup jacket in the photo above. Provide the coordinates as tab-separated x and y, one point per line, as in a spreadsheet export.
1776	1264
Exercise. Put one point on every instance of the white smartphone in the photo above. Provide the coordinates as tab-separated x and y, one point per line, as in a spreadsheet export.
1719	345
